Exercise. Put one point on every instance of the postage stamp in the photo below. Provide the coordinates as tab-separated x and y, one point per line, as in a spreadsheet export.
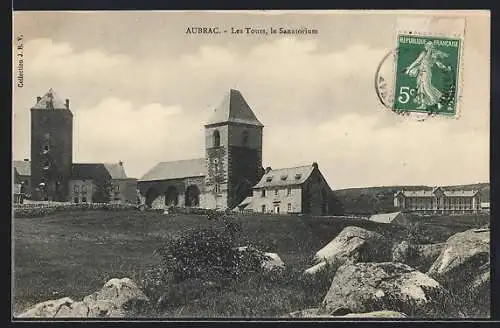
427	70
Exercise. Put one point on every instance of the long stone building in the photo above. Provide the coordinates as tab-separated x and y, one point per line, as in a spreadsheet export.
231	170
438	201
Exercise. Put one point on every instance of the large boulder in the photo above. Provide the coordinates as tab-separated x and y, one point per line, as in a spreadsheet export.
352	245
387	286
418	256
270	262
463	267
112	301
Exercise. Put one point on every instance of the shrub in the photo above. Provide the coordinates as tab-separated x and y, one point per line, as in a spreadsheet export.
209	253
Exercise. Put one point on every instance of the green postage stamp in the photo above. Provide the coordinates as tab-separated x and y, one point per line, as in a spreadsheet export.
427	74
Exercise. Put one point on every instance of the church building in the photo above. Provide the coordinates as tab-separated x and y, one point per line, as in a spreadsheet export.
230	174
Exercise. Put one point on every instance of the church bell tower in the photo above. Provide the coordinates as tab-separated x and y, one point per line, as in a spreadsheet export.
233	144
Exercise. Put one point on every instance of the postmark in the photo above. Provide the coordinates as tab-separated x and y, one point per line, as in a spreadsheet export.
427	71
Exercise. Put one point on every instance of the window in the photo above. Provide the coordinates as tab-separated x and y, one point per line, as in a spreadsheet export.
289	207
46	165
263	192
76	188
216	188
288	191
269	179
298	176
276	192
84	188
84	199
283	177
216	138
46	149
75	200
263	208
244	138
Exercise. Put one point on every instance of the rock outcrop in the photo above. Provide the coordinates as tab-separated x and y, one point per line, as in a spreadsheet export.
418	256
463	267
352	245
387	286
271	262
112	301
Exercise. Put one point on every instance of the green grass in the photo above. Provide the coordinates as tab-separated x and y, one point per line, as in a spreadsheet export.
74	254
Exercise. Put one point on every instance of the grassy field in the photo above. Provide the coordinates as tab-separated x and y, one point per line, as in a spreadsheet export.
67	254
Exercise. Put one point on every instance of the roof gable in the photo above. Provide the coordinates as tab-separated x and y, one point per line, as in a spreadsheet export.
22	167
385	217
89	171
116	171
176	170
285	177
234	109
50	101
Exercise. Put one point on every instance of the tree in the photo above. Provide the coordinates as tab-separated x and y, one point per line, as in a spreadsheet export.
103	189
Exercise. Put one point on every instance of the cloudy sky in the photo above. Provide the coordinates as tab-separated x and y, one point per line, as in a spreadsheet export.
141	90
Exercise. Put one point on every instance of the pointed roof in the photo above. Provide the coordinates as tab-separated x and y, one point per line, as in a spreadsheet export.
177	170
235	109
22	167
50	101
84	171
285	177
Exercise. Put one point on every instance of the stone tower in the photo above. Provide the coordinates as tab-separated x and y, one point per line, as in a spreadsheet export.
233	143
51	147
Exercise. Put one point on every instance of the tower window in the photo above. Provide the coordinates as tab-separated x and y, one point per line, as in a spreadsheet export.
46	165
216	138
46	149
244	140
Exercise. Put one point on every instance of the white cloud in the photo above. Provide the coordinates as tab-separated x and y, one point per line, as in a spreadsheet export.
45	58
316	106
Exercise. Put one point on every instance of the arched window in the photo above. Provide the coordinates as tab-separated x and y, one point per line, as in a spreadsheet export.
244	138
216	139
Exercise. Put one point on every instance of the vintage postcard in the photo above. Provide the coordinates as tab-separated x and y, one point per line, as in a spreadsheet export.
281	165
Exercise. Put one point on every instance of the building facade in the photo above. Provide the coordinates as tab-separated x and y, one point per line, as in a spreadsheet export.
438	201
293	190
225	176
51	148
22	177
101	182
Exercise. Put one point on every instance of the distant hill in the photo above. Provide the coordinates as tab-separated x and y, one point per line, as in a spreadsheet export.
372	200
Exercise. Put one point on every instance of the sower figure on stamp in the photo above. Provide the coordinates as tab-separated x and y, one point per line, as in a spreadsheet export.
421	68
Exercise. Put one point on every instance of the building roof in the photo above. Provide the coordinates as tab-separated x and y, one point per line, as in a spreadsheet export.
235	109
246	201
17	188
432	193
50	101
177	170
385	217
285	177
23	167
88	171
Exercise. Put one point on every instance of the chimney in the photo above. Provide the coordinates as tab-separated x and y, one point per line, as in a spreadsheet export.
38	99
26	159
268	169
315	165
120	163
67	103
